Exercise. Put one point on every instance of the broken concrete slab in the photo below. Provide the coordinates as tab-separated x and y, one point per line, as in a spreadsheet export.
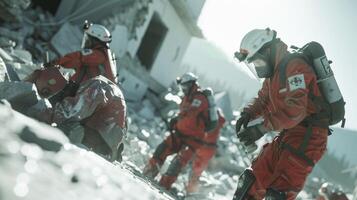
28	135
29	130
224	103
67	39
5	56
14	35
11	73
22	56
36	111
133	87
120	40
3	71
23	70
6	43
21	95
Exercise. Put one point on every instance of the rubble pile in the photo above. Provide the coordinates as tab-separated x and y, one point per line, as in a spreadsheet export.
131	16
31	37
22	43
11	10
41	164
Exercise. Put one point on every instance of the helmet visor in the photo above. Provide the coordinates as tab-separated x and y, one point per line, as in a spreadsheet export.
186	87
251	68
259	66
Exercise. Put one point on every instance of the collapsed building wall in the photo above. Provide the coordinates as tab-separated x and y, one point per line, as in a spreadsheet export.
152	33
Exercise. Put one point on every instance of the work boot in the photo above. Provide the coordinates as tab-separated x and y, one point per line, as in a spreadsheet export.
151	169
166	181
192	186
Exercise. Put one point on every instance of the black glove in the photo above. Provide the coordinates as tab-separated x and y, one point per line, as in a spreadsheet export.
172	123
243	120
48	64
69	90
251	134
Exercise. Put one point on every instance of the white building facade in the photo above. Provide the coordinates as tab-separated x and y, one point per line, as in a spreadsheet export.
149	35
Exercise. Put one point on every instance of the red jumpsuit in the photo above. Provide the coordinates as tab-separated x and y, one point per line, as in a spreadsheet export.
96	61
190	141
99	106
284	164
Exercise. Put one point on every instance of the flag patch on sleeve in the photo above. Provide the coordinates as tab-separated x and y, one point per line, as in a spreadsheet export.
196	103
86	52
296	82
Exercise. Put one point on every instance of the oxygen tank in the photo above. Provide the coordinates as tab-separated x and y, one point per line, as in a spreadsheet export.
326	80
212	110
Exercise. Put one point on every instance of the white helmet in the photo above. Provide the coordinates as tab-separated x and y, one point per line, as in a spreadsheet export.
97	31
253	41
187	82
187	77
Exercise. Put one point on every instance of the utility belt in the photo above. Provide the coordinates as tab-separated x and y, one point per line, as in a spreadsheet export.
195	139
308	122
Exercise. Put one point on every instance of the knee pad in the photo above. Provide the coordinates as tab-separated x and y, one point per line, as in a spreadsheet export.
272	194
174	168
160	150
245	182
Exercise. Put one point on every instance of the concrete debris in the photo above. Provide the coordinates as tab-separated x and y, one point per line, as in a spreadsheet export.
132	16
35	169
46	137
21	95
3	71
23	70
30	136
22	56
6	43
134	88
11	73
119	42
14	35
37	109
74	131
69	44
149	107
223	102
5	56
147	110
10	10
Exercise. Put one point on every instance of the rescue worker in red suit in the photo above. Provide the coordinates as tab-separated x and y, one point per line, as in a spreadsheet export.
94	59
98	107
192	138
328	192
280	170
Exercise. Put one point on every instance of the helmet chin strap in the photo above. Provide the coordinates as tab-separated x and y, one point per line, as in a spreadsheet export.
191	89
265	72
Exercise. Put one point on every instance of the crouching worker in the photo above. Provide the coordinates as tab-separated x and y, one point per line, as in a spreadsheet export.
95	58
193	136
95	116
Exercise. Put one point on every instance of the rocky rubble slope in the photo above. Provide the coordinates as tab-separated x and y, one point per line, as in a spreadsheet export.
37	162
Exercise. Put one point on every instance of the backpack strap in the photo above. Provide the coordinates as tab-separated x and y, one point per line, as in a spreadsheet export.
284	64
300	151
319	119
